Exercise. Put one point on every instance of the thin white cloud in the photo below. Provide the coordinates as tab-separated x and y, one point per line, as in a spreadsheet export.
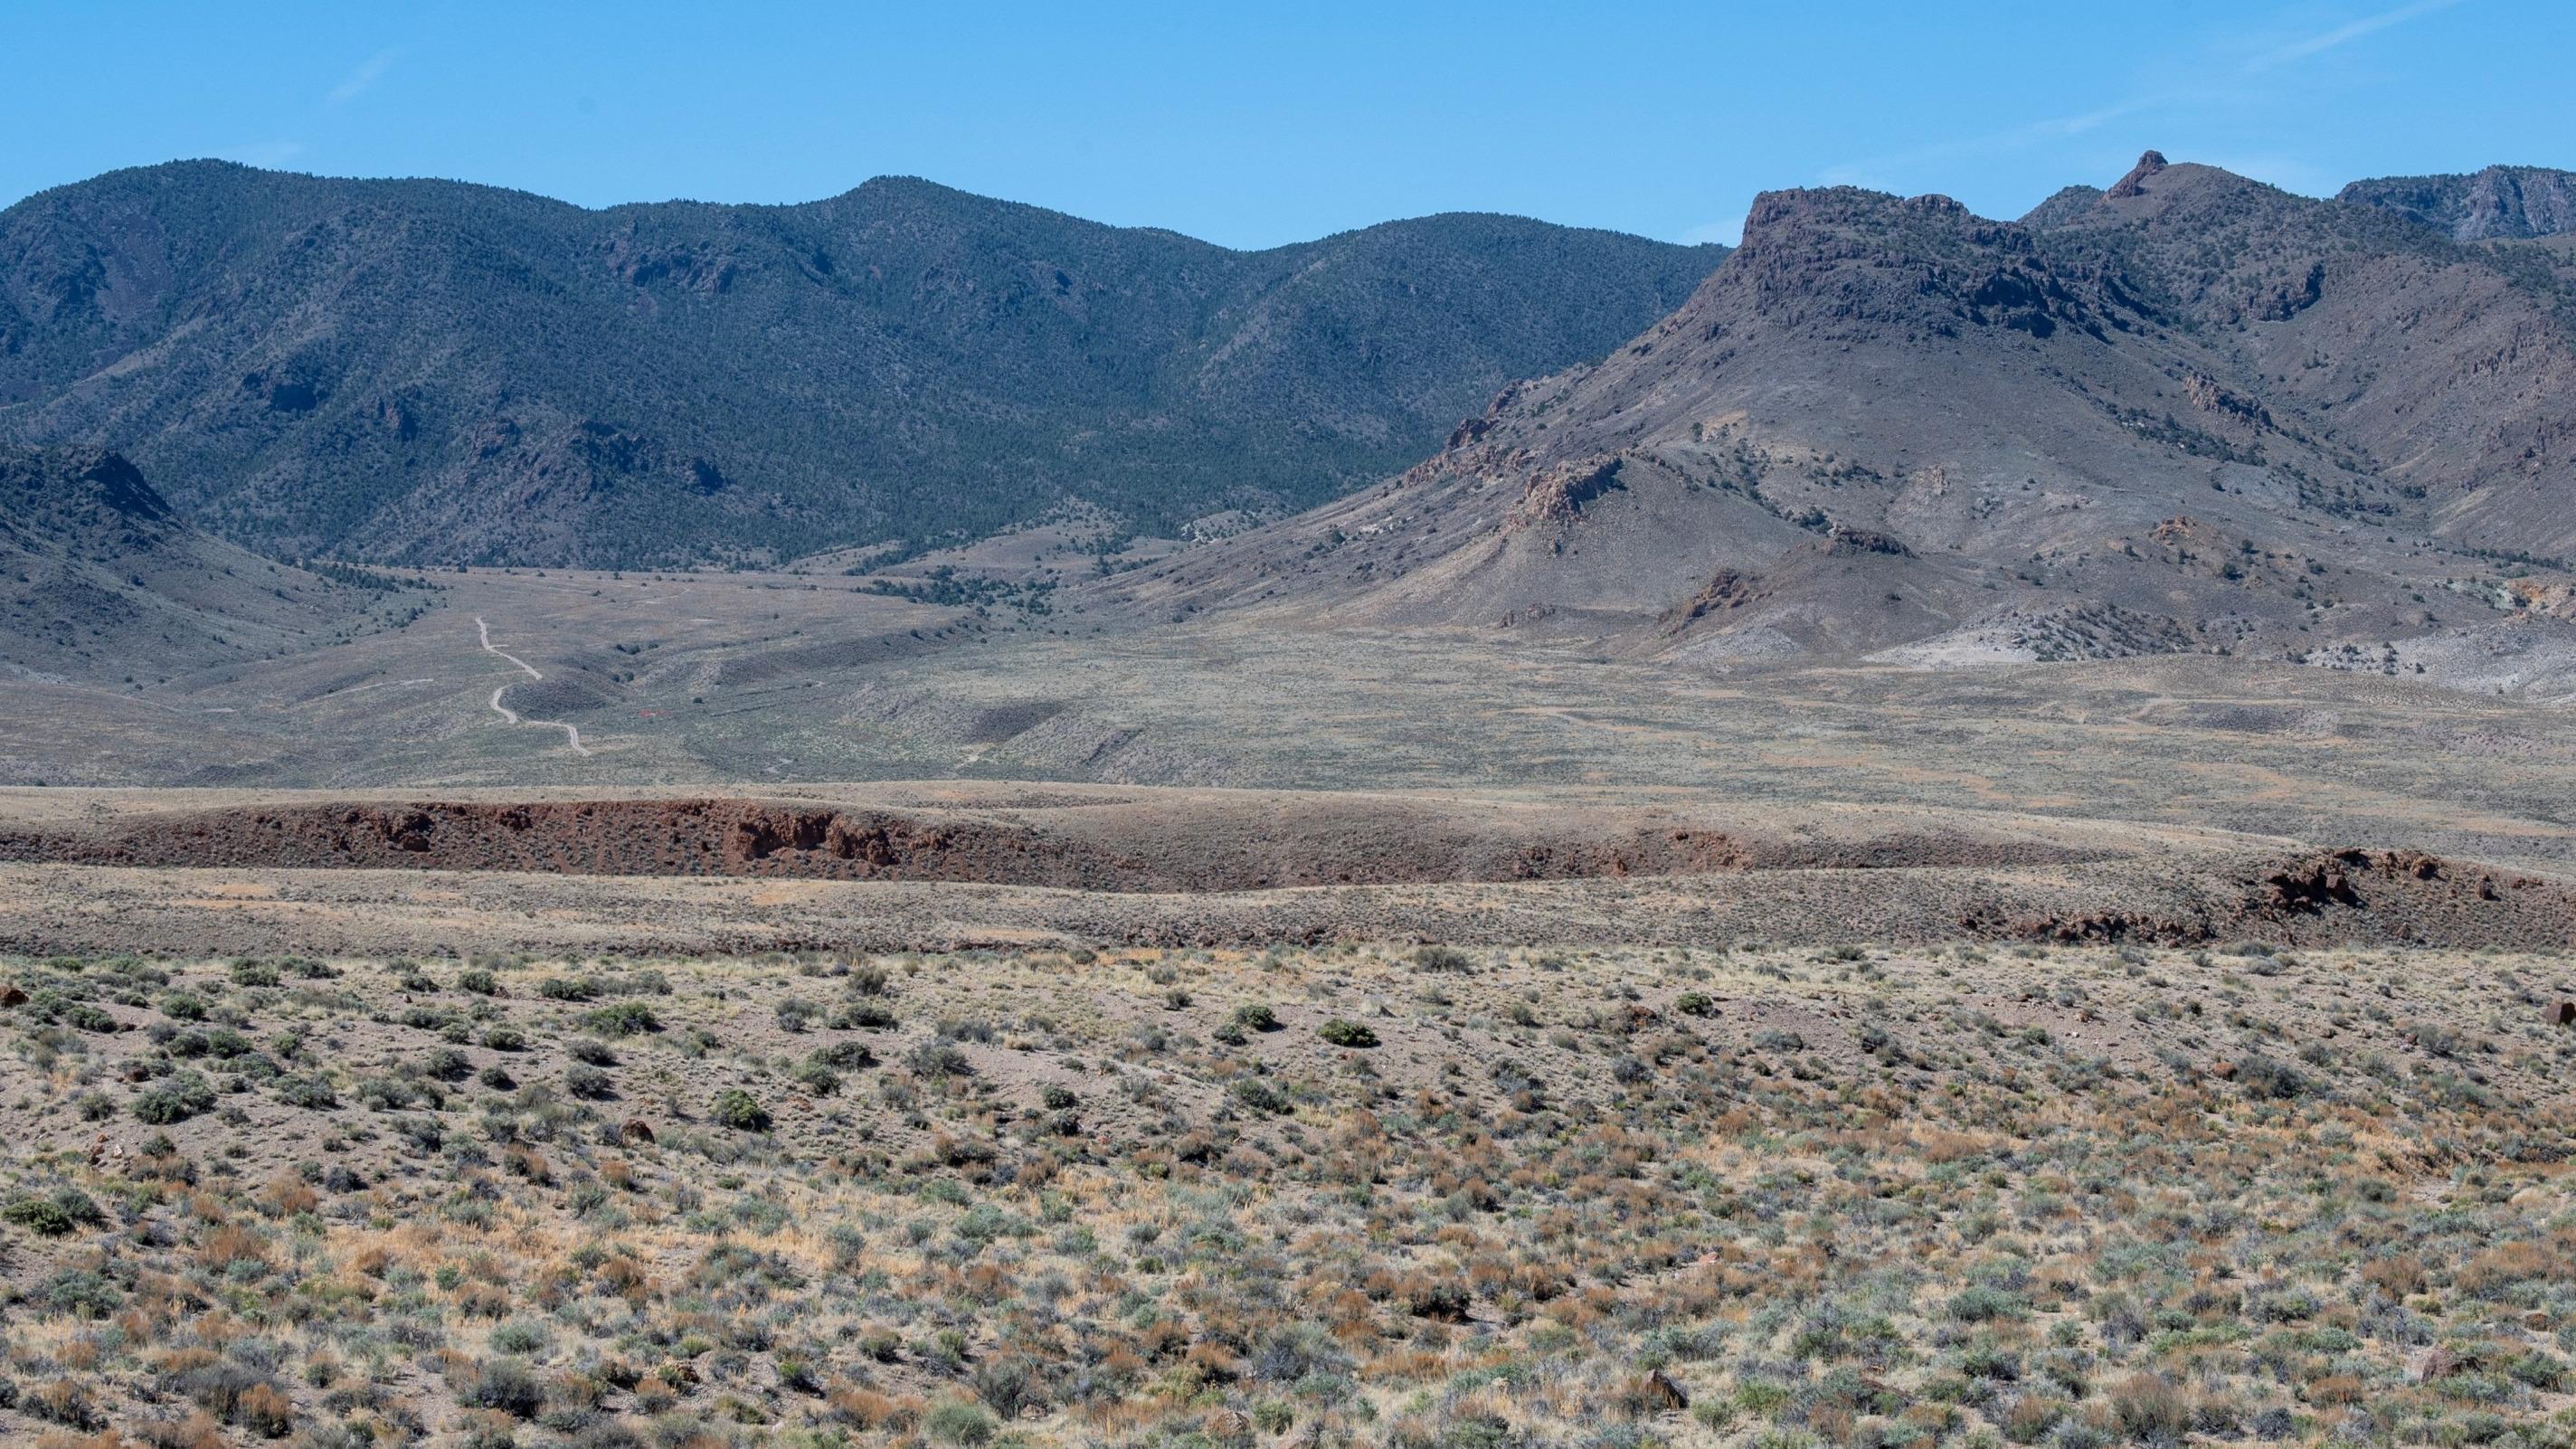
2273	168
1874	170
369	71
2345	34
1882	171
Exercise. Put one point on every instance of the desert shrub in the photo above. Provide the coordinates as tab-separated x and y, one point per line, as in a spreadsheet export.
625	1018
502	1385
478	981
1255	1016
2540	1370
863	1016
1343	1033
247	972
735	1108
816	1077
65	1402
1695	1003
264	1409
1261	1095
1294	1353
2150	1409
81	1292
55	1214
589	1083
504	1039
395	1094
796	1015
518	1337
1982	1303
2028	1418
238	1393
591	1050
568	988
2263	1078
1442	958
962	1423
310	1093
175	1098
939	1059
847	1056
1057	1098
180	1006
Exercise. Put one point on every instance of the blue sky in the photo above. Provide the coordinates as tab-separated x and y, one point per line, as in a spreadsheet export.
1253	124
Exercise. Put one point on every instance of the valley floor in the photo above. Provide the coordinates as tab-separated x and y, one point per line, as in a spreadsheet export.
2160	1051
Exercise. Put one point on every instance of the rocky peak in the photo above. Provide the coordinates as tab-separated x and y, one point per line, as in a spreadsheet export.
2135	183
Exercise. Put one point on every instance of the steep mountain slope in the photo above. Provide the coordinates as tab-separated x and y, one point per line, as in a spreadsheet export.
100	580
2501	201
2186	413
423	370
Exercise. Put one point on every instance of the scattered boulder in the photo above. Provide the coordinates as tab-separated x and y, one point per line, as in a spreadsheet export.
1658	1394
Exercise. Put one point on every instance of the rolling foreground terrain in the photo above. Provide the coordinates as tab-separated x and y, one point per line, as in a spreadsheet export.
909	821
1424	1198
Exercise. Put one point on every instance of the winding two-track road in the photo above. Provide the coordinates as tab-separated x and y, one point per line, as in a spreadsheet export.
571	732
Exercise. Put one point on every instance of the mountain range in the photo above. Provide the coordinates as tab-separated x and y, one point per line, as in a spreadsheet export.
2186	412
425	371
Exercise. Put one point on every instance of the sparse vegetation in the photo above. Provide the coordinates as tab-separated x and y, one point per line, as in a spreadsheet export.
2063	1198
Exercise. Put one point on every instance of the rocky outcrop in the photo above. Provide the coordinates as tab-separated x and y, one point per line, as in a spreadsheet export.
1557	494
2135	183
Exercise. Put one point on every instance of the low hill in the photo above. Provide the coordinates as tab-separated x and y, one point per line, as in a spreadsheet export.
430	371
100	580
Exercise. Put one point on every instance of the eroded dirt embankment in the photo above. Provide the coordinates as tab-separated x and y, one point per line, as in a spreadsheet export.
933	864
52	909
1156	847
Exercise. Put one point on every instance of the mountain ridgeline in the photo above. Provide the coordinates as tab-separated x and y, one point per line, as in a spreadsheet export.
429	371
2184	413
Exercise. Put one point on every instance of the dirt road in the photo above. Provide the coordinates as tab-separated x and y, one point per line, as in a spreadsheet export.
572	733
